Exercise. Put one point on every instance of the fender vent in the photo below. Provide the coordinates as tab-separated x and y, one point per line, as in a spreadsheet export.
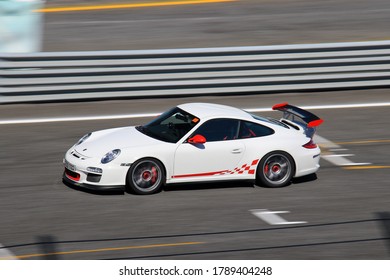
77	155
290	124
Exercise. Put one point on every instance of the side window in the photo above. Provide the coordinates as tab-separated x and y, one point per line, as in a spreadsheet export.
250	130
219	130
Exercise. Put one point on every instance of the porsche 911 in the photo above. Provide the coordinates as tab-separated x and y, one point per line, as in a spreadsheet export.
197	142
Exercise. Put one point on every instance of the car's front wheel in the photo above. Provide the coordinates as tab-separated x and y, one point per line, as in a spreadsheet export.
275	170
146	176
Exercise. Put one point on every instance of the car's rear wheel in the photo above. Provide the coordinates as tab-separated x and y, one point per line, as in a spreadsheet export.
275	170
146	176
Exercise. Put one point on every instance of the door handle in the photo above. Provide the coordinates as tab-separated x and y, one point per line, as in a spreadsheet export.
237	151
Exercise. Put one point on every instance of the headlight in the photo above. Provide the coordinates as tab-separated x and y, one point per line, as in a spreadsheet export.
85	137
110	156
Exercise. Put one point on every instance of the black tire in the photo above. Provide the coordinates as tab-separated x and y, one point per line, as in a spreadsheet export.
145	176
275	170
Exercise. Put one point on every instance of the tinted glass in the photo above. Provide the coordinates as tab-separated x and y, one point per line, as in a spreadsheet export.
219	130
249	130
170	126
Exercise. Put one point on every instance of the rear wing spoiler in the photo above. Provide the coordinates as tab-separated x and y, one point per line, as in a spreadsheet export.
290	112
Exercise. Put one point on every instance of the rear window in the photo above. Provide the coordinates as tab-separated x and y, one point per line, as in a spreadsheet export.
250	130
270	120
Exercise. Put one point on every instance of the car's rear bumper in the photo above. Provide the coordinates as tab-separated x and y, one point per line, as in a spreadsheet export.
75	184
307	161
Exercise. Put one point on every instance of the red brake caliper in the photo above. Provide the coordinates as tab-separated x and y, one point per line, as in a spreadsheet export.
266	169
154	175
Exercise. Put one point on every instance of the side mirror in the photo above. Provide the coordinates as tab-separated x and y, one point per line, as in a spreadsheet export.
197	139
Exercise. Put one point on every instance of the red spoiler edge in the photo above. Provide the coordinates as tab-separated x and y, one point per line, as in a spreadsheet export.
311	119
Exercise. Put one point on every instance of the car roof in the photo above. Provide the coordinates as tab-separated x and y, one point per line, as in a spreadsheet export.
210	110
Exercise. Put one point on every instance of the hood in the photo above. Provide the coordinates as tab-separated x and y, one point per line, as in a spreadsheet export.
103	141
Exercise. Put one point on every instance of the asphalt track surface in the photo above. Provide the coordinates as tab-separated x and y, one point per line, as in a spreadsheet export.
346	210
236	23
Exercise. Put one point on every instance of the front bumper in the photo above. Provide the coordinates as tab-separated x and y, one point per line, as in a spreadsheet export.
75	184
89	173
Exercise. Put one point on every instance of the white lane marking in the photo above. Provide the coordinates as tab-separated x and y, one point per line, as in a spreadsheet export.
272	218
341	161
6	254
357	163
340	155
81	118
338	150
336	159
325	142
148	115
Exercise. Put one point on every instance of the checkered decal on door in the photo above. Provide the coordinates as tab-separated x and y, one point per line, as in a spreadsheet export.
246	168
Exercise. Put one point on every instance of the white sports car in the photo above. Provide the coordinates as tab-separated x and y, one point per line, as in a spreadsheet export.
197	142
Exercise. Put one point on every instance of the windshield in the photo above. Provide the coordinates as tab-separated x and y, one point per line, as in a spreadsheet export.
170	126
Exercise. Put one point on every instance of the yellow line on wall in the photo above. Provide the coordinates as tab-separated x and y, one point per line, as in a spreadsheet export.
362	167
108	249
127	6
363	142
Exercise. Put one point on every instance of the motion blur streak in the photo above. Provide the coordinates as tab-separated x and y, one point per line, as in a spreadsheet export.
366	167
109	249
70	119
127	6
147	115
364	142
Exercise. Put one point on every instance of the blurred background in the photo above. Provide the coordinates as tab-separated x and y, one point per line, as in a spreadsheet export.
72	62
228	23
147	24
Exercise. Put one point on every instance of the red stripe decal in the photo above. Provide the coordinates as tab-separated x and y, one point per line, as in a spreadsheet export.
200	174
245	168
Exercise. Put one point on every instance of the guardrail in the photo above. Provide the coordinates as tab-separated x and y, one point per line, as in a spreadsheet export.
57	76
